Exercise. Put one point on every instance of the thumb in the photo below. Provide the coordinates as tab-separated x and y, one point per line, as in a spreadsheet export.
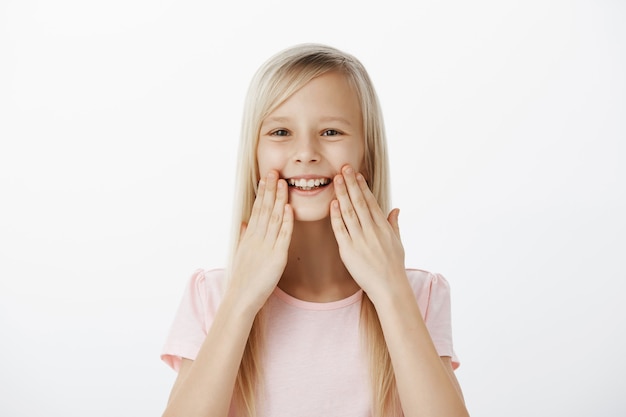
393	220
242	229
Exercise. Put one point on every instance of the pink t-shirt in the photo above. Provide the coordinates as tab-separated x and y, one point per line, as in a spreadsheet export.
314	363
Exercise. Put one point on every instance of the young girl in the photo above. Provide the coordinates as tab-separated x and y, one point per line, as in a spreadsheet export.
316	314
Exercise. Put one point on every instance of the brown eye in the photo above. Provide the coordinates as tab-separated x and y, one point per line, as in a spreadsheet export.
280	132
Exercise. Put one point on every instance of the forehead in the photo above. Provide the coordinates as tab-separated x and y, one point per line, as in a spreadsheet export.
329	97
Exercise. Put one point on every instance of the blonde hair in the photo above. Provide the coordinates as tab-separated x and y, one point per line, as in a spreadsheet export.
274	82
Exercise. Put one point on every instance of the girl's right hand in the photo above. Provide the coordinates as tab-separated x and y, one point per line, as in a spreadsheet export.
261	255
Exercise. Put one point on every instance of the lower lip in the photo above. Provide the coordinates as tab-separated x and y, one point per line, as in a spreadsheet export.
309	193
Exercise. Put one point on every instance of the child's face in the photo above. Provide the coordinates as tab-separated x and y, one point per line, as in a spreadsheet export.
310	137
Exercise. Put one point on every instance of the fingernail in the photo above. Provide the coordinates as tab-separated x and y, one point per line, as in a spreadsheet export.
271	175
339	179
348	170
359	177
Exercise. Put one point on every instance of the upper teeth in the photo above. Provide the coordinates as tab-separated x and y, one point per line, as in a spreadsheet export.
308	183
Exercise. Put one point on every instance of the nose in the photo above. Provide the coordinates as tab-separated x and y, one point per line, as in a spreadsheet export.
306	150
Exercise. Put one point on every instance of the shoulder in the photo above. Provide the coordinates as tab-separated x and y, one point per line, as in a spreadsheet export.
420	279
208	276
197	308
207	285
430	288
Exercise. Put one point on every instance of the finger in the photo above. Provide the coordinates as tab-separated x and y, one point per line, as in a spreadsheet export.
267	205
256	206
336	221
393	220
356	195
375	211
286	228
242	229
276	220
348	214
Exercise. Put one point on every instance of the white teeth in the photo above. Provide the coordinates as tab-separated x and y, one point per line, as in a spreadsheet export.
309	184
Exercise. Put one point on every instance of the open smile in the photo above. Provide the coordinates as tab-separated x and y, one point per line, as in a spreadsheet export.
308	184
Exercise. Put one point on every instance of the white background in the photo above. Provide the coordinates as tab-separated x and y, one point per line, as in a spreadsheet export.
119	122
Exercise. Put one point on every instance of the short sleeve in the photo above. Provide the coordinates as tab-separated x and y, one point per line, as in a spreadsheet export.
433	296
192	320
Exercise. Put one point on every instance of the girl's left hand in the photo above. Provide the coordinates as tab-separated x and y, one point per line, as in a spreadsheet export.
369	243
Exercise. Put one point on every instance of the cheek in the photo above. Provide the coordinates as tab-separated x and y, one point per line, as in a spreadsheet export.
361	160
357	160
267	160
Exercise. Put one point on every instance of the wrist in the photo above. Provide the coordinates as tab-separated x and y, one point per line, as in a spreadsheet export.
393	289
241	305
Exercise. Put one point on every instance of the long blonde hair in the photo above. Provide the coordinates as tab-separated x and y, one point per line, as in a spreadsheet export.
274	82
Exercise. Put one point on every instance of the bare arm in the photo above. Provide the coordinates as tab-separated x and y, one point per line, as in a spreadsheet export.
204	386
447	364
426	383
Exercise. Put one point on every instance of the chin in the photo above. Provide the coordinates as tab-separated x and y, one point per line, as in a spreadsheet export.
310	214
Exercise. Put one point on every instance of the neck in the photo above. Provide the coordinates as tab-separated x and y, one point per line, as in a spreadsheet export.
315	271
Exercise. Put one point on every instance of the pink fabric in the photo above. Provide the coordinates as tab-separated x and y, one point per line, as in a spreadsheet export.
314	364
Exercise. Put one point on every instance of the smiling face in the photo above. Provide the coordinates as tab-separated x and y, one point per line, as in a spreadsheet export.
308	138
